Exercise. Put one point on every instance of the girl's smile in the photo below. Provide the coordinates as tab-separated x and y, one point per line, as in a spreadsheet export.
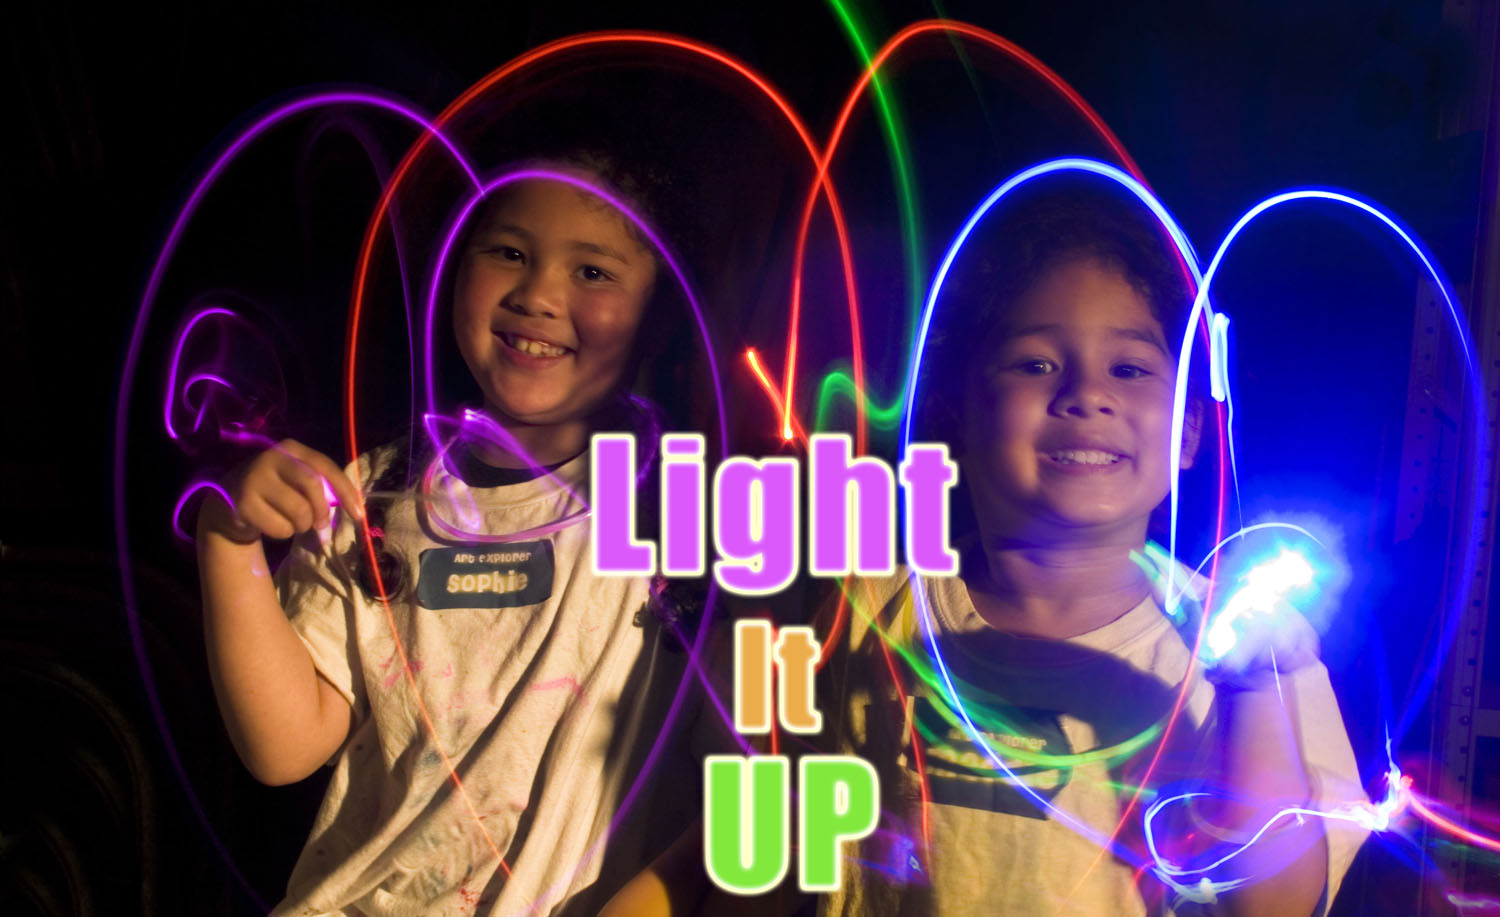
537	349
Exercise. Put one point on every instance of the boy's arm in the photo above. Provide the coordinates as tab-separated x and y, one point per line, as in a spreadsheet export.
1262	764
1260	769
284	719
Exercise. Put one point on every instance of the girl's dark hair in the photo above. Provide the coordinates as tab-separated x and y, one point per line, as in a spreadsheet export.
1007	255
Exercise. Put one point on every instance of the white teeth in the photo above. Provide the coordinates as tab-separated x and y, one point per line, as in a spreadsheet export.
1084	457
534	348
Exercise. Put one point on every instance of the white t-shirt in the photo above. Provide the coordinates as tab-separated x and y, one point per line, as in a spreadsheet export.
538	685
1077	720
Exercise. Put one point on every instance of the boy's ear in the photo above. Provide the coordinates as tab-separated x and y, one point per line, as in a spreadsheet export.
1192	432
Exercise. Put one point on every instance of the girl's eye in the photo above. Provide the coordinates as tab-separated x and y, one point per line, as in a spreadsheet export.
1130	371
506	253
593	274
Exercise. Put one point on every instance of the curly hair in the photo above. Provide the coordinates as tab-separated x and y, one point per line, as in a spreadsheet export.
1012	253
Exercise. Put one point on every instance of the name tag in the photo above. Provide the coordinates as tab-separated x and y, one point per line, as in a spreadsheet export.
491	576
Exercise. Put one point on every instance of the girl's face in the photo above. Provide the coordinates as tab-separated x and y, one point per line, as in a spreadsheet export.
1068	410
548	299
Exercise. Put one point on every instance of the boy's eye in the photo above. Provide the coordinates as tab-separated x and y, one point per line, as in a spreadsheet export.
1035	367
1130	371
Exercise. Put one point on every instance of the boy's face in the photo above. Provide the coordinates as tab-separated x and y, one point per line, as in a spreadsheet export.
549	295
1068	411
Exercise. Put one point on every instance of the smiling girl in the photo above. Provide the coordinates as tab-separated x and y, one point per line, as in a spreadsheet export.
486	722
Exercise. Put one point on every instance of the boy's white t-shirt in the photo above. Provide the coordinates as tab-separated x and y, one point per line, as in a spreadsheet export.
1102	696
538	685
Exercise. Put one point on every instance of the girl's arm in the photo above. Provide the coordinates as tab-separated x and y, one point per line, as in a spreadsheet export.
671	886
284	719
676	884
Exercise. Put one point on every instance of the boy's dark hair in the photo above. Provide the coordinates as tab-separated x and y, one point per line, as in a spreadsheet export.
1008	253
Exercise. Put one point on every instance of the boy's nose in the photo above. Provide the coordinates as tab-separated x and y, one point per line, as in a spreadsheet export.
1083	395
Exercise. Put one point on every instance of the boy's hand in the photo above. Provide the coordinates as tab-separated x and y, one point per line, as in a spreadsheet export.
1267	644
279	493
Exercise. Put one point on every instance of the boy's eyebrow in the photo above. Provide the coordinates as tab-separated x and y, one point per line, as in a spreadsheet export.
1143	335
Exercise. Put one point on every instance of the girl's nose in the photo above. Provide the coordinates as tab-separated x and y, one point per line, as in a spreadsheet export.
537	295
1083	394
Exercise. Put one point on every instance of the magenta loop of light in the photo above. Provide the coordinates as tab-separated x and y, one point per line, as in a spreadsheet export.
127	379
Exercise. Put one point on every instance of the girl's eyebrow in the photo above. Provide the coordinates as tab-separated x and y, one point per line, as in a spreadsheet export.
598	249
511	228
576	244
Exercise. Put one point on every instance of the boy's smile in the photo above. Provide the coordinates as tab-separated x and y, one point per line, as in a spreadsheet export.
1067	412
549	297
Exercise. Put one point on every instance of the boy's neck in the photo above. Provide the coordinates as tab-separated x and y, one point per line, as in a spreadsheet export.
1054	591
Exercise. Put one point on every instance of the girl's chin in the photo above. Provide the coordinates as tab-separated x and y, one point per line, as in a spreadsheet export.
527	415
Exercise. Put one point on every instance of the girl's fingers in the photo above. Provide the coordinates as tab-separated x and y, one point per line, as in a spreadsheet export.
309	485
258	513
345	493
349	496
291	505
286	490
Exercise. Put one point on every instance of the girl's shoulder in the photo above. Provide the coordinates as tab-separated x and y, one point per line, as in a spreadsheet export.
386	467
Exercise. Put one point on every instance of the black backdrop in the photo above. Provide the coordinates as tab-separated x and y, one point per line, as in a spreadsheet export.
113	109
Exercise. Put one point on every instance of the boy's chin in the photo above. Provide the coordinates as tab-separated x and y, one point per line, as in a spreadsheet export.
1094	523
1063	525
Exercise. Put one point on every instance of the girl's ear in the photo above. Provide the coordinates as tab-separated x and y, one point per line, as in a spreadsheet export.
1192	432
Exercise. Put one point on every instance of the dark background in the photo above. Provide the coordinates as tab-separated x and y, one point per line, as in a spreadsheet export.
113	113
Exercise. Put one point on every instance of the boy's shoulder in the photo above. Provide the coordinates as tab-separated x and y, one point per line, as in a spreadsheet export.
878	606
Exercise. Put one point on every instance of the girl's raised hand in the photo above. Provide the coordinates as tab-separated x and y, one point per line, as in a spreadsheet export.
285	490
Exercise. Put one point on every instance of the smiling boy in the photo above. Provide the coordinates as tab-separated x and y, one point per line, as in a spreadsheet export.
1052	376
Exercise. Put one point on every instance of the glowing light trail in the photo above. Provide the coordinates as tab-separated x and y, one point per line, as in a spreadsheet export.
1476	444
949	27
127	381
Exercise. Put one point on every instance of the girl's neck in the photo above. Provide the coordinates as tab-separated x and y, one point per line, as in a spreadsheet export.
544	445
1054	591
